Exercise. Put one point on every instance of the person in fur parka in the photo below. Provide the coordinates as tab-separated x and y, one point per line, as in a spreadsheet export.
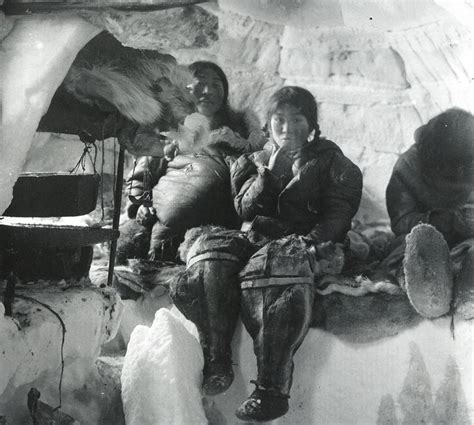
430	200
297	200
187	184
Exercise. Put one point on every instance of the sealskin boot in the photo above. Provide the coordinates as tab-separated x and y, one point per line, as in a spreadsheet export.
264	404
208	294
278	319
428	277
209	297
217	377
276	309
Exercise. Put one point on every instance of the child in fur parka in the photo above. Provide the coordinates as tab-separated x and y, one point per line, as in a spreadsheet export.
297	198
188	184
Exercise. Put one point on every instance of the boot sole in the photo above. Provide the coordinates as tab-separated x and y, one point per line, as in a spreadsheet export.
429	281
217	383
256	418
262	409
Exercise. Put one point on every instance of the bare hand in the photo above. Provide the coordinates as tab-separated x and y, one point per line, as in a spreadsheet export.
280	163
146	216
171	150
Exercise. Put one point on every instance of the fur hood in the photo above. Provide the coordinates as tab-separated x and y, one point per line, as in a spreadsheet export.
446	138
253	142
195	134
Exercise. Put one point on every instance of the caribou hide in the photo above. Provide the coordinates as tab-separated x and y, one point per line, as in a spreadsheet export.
144	94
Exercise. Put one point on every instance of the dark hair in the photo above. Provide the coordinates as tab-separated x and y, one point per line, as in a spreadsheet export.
447	139
225	116
199	66
299	98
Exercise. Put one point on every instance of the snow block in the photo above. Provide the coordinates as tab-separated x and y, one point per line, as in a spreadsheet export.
162	374
375	362
34	345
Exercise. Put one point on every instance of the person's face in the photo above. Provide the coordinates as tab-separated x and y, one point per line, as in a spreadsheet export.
289	127
209	91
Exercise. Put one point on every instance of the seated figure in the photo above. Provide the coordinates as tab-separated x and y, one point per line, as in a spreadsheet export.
188	183
297	199
430	200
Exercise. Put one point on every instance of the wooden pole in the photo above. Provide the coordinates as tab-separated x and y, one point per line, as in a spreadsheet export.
117	209
9	295
13	8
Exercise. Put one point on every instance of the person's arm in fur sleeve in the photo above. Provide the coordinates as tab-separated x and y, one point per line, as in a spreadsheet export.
255	188
341	199
402	206
404	211
143	176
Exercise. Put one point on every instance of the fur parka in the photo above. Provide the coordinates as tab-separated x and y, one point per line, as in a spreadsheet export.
320	200
193	187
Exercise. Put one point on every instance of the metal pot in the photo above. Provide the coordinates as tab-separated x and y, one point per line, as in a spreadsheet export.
53	195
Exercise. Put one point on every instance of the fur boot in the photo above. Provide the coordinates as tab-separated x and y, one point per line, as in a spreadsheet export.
428	276
276	308
208	294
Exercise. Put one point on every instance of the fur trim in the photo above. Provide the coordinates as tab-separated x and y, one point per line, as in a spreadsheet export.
123	275
150	91
138	278
194	234
356	287
254	141
195	134
329	258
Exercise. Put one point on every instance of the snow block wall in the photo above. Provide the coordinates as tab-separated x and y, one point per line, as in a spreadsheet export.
421	375
32	348
377	70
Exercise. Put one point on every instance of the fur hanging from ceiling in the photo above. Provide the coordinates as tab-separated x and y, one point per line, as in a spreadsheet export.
149	93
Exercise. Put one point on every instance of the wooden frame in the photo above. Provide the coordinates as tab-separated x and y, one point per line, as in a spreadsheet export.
11	8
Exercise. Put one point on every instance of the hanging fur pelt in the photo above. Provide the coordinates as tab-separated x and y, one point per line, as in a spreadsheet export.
149	92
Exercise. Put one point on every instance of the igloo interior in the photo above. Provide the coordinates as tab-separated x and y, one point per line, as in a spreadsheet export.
378	70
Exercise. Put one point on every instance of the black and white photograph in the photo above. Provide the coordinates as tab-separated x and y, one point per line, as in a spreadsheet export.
233	212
